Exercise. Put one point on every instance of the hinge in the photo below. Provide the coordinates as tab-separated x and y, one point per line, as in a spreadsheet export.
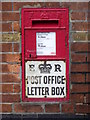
66	40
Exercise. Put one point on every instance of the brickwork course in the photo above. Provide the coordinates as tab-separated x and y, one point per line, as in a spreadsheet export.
79	51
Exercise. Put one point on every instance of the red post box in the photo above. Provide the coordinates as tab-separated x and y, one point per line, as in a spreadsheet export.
45	54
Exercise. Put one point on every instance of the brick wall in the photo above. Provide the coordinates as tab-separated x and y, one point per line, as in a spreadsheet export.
11	83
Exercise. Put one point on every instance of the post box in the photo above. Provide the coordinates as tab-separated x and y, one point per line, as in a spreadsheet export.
45	54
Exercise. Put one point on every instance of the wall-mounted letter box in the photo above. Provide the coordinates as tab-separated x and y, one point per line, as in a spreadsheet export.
45	54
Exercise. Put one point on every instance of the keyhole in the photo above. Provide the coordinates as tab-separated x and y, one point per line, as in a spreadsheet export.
30	55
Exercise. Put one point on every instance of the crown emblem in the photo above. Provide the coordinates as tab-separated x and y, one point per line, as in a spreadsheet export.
44	15
45	68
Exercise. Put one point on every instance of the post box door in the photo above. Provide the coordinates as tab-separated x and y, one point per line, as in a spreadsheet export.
45	54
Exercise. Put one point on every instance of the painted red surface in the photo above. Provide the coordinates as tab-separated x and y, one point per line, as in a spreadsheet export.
45	20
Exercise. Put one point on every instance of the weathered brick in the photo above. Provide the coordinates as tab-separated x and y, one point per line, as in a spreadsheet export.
7	88
80	88
77	98
88	26
80	47
6	47
10	78
75	5
22	108
10	57
52	4
83	108
10	16
0	21
11	37
78	78
80	36
19	5
16	26
16	47
67	108
79	5
0	57
88	76
87	98
6	27
88	16
78	16
80	26
6	6
80	68
16	68
88	36
16	88
6	68
6	108
78	57
52	108
10	98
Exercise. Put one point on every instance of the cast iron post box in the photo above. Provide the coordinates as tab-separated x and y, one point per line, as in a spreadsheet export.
45	54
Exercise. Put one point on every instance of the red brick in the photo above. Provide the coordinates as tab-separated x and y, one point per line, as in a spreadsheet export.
10	78
6	68
22	108
78	16
80	88
6	6
18	5
6	108
75	5
78	78
78	57
52	4
80	47
88	77
80	68
80	36
88	58
10	16
79	5
16	68
16	26
77	98
0	21
16	88
88	16
7	88
67	108
6	27
10	57
16	47
0	6
10	98
83	109
88	26
87	98
6	47
52	108
0	57
80	26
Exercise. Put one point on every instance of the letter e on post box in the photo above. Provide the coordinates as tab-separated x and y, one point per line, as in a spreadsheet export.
45	54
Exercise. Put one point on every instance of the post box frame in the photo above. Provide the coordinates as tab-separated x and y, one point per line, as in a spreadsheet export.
24	98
